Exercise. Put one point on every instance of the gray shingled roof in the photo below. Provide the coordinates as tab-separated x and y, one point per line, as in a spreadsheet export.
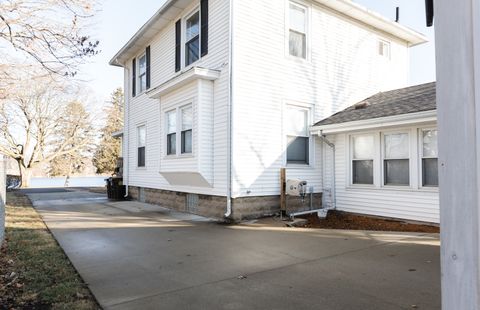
411	99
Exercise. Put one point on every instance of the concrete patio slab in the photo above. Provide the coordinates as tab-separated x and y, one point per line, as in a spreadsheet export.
139	256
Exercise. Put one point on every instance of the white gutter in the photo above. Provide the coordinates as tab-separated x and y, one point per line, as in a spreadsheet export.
389	121
374	20
228	212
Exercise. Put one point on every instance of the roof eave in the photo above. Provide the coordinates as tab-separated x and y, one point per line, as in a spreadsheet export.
373	19
116	60
379	122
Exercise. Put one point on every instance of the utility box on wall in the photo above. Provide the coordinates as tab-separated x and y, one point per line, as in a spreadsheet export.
3	196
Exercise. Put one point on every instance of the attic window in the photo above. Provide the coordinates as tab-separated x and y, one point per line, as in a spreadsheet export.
384	49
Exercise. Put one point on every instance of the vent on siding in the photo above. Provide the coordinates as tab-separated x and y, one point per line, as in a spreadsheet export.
141	194
191	203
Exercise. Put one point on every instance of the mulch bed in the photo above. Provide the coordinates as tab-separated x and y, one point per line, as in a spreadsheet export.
343	220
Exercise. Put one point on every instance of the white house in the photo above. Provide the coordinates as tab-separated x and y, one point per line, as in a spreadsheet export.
221	94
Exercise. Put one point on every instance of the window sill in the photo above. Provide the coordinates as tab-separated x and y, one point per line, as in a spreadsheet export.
299	60
183	156
393	188
298	166
141	168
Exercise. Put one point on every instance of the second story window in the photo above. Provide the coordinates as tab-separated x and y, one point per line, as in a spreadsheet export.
297	40
192	39
142	73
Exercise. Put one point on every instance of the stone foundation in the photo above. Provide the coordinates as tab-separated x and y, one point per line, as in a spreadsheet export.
215	206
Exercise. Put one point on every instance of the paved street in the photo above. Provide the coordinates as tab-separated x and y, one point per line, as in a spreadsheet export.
139	256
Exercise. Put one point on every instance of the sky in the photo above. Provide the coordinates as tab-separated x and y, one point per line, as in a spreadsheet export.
118	21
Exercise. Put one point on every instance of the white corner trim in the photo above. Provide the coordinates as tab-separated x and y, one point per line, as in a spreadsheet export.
389	121
192	74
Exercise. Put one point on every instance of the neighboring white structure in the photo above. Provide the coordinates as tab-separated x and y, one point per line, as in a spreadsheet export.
220	95
386	155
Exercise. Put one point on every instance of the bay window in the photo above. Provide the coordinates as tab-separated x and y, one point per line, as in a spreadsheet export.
179	130
171	118
362	159
429	155
186	135
396	163
297	39
298	140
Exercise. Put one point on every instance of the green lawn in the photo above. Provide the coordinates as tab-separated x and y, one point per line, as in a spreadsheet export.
34	270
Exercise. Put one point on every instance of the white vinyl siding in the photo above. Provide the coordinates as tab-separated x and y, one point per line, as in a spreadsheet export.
414	202
211	97
342	68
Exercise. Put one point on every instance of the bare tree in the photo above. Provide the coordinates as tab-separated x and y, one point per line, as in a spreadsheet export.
38	124
51	32
109	148
74	126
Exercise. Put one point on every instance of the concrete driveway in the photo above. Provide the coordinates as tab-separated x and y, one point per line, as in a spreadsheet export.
139	256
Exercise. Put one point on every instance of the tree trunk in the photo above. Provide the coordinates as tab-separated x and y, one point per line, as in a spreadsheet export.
25	174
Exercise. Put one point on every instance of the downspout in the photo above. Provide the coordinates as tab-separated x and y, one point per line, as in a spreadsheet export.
126	121
228	212
332	146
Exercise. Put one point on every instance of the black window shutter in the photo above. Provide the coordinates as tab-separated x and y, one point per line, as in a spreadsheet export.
134	76
147	56
178	45
204	26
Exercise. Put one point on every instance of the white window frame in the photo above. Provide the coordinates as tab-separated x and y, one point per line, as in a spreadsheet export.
144	125
140	75
351	159
421	156
307	8
311	153
178	133
184	37
384	43
382	158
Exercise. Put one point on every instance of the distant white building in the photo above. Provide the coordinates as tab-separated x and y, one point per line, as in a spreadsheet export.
221	94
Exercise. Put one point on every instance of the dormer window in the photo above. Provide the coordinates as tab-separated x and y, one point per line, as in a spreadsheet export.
192	38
